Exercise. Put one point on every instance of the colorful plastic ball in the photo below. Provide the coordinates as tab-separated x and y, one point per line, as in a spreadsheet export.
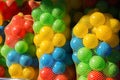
97	63
15	70
58	12
59	68
37	40
29	38
1	19
59	26
21	47
84	54
111	70
46	60
59	54
103	33
90	41
103	49
47	46
75	58
46	74
59	40
110	78
46	19
46	33
82	78
76	43
39	53
96	75
13	56
37	26
2	61
97	18
28	73
61	77
2	71
80	30
36	13
83	68
31	50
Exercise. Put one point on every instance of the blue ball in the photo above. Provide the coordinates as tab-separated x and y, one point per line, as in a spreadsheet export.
75	58
103	49
26	60
59	68
59	54
13	56
67	47
8	63
46	61
76	43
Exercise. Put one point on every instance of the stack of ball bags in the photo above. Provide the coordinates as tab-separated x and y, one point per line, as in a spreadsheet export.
52	35
95	44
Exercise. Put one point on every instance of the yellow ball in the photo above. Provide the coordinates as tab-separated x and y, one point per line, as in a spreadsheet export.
37	39
1	39
113	41
46	33
115	25
97	18
15	70
47	46
59	40
90	41
28	73
1	19
80	30
103	32
39	52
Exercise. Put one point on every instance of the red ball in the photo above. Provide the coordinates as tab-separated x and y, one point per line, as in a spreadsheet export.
47	74
96	75
2	71
110	79
61	77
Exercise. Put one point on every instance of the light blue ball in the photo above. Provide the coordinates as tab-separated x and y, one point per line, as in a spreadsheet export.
46	61
26	60
13	56
8	63
103	49
59	54
76	43
75	58
59	68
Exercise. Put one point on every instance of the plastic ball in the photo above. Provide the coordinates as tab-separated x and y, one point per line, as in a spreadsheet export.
29	38
59	68
80	30
31	50
84	54
88	41
21	47
61	77
75	58
47	46
46	32
46	19
37	40
15	70
82	78
37	26
76	43
103	49
28	73
1	39
2	71
97	18
13	56
25	60
83	69
111	70
1	19
39	53
59	54
46	61
97	63
110	78
103	32
95	75
59	40
59	26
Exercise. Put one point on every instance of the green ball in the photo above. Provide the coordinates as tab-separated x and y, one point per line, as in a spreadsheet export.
97	63
46	19
82	78
111	70
5	50
21	47
37	26
32	50
84	54
36	13
59	26
83	68
3	62
29	38
19	2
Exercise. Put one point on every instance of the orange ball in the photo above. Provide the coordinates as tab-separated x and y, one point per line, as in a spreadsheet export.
61	77
110	79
